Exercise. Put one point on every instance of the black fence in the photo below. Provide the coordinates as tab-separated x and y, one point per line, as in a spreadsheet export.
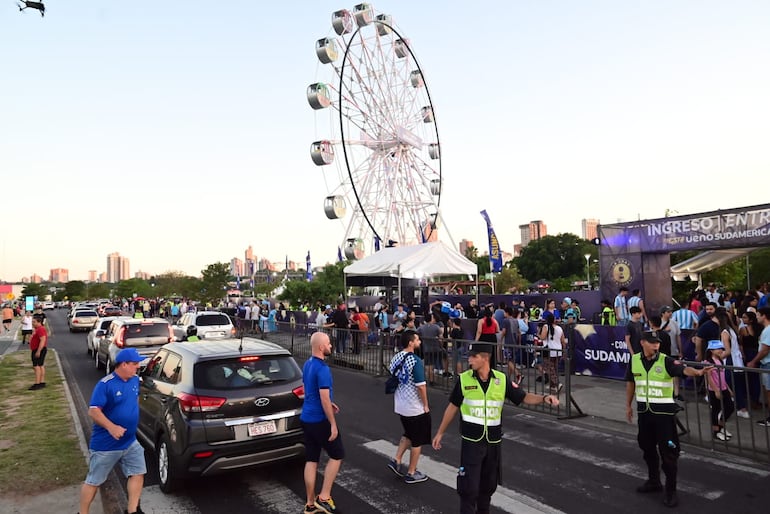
539	370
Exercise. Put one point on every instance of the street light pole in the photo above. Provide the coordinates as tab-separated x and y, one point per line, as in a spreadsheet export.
588	270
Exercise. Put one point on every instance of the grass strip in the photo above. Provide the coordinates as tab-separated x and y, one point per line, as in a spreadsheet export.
39	449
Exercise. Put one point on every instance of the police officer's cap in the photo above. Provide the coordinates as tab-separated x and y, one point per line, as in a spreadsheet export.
651	336
479	347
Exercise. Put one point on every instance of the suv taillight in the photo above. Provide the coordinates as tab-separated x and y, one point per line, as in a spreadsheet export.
192	403
170	334
119	340
299	392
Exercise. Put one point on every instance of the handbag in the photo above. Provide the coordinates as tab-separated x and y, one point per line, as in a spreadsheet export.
391	384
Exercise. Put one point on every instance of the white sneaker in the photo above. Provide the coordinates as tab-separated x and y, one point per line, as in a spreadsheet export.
743	414
725	432
720	435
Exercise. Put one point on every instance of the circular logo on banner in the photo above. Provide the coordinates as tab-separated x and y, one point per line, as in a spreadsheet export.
621	272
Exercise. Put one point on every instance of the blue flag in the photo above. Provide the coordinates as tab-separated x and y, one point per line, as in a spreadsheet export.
339	254
238	282
376	243
308	272
495	257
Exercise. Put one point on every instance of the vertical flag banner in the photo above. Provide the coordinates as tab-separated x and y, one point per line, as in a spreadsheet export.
495	258
376	244
339	254
308	272
238	282
286	269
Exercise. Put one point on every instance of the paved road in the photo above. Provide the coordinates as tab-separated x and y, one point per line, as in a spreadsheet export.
550	465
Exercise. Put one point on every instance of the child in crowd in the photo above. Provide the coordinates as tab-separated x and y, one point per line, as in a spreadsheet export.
720	396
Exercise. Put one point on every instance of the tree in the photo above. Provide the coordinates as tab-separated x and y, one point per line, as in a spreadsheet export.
327	286
33	289
214	282
510	279
555	257
134	286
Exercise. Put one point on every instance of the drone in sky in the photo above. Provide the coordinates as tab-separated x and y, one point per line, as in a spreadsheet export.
40	6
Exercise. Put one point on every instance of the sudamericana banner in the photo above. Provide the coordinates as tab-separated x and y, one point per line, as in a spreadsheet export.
601	350
732	228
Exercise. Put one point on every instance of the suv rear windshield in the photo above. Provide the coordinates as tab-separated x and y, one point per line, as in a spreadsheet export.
86	314
246	371
212	319
146	330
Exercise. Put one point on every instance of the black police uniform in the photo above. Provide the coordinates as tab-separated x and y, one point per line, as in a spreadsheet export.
480	461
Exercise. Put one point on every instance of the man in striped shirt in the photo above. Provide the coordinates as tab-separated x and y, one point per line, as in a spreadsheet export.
622	315
635	300
685	318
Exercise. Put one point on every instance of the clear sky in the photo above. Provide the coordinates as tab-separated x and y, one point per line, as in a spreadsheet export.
177	132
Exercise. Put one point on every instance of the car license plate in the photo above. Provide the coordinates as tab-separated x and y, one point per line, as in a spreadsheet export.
262	428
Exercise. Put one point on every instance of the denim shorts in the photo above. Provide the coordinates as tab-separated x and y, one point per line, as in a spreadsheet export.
765	376
101	463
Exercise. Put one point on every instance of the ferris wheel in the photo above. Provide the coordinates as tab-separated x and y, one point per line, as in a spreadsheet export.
380	154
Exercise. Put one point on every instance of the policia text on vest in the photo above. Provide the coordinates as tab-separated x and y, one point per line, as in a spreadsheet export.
479	395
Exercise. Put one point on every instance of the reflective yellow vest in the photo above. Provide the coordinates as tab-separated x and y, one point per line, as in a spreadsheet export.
654	389
481	412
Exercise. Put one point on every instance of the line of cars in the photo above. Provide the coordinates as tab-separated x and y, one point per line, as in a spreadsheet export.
208	406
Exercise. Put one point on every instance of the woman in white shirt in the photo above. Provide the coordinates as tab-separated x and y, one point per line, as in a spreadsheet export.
26	327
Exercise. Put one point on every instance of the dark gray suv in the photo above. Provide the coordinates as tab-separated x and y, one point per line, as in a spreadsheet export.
207	407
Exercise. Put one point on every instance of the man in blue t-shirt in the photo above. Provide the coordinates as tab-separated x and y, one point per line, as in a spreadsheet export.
114	407
320	425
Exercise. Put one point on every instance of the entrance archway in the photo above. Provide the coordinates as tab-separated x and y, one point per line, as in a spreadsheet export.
637	254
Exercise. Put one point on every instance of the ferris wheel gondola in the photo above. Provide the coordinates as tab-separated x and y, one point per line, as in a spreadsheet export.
381	154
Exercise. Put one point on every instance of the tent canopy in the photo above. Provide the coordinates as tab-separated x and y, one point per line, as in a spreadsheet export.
415	261
706	261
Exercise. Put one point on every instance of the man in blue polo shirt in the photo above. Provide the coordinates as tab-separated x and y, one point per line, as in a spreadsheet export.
320	425
114	407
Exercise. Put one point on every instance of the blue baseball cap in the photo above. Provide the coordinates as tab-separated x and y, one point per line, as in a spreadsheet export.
128	355
715	344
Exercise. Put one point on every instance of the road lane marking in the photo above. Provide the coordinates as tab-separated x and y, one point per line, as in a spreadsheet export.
276	496
727	461
155	501
504	499
624	468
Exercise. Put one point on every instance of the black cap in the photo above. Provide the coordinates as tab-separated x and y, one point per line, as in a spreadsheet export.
651	336
666	308
480	346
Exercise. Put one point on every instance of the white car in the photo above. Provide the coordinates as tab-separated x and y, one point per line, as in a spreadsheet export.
49	306
208	324
96	334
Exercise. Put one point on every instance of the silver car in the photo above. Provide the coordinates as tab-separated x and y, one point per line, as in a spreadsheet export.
83	320
97	333
147	335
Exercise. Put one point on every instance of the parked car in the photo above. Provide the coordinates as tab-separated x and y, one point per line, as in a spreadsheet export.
212	406
147	335
209	325
96	334
112	310
48	306
83	320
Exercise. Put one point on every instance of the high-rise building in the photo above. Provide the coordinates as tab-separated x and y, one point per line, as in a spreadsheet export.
35	278
142	274
532	231
60	275
589	228
236	267
266	265
103	277
464	245
249	254
118	268
92	275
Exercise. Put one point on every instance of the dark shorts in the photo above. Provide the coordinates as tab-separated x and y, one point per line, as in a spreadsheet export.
317	439
39	361
7	320
417	429
26	332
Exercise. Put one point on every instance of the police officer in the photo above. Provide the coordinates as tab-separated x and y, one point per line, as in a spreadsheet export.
192	333
650	377
479	394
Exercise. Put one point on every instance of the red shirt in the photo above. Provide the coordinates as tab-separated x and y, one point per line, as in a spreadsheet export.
39	333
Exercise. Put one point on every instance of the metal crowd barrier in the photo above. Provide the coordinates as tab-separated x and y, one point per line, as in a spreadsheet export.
371	352
748	438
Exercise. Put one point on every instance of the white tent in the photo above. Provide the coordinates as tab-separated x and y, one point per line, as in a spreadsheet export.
413	262
416	261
